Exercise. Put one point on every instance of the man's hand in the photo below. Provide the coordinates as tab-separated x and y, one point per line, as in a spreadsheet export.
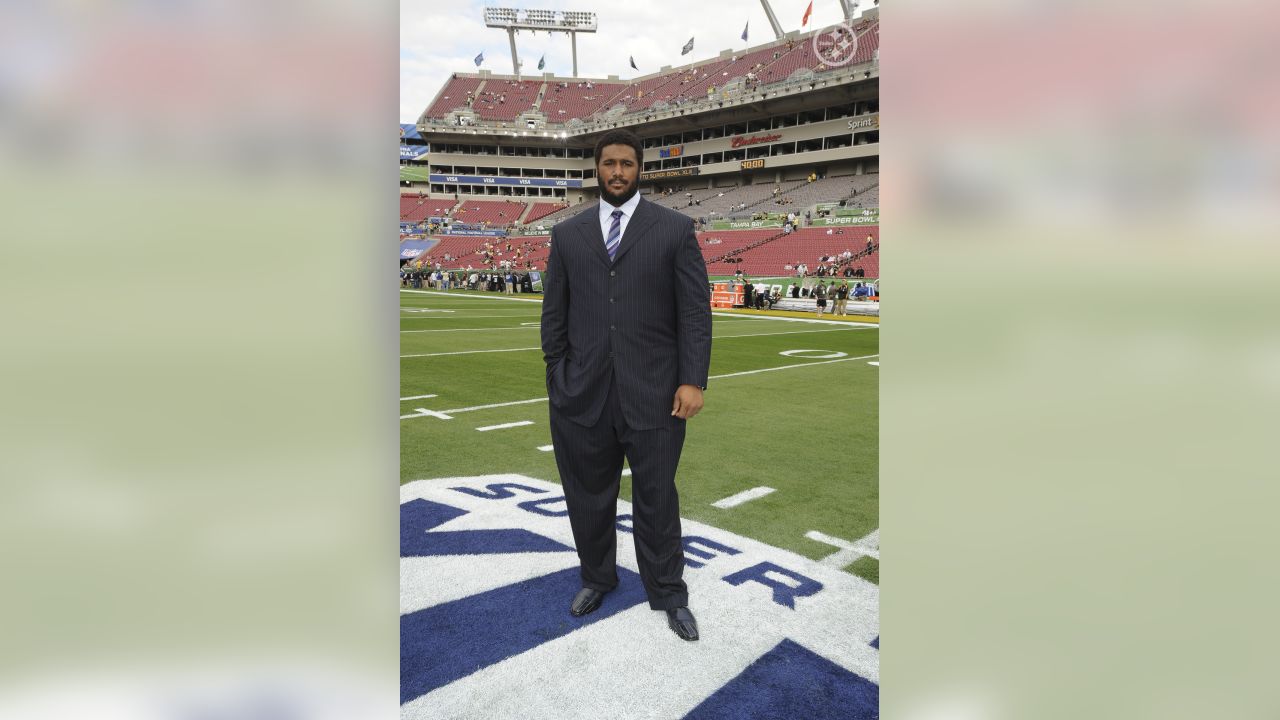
688	401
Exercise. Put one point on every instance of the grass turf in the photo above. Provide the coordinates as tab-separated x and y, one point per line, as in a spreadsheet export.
419	173
810	432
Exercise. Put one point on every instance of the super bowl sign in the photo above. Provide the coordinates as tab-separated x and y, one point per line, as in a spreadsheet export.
487	570
866	217
412	152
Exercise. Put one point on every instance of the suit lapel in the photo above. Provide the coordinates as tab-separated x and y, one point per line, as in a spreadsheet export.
590	228
636	227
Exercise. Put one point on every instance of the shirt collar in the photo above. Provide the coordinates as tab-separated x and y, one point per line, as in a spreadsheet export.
628	208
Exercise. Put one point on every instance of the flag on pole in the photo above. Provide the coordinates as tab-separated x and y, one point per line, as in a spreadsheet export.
807	13
744	30
688	47
480	58
542	61
633	63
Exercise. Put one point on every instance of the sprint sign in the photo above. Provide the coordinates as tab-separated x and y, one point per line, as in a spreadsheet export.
487	570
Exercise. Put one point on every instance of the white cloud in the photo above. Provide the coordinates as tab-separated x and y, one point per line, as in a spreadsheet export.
438	39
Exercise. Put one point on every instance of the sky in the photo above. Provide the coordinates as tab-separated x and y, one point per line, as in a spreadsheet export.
437	38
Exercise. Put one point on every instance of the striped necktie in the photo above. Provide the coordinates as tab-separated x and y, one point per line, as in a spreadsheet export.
615	234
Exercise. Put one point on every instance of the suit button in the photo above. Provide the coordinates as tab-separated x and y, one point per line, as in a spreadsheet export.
610	299
613	273
612	327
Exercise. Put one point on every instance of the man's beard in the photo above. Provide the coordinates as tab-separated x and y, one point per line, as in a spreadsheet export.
618	200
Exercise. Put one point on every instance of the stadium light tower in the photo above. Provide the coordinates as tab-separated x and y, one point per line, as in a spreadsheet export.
850	8
773	19
565	21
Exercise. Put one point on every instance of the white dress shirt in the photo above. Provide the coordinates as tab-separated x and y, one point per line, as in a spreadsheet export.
628	209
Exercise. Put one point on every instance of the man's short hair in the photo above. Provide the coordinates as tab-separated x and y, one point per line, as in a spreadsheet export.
620	137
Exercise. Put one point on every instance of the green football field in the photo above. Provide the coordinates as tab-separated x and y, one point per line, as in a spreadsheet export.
803	423
418	173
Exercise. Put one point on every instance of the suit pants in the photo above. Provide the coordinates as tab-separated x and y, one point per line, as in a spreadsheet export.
590	463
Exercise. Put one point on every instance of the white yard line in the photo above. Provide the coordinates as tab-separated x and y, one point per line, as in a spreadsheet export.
546	448
713	377
495	405
788	367
504	426
626	472
465	317
788	332
713	337
726	315
423	412
868	546
471	297
469	352
744	496
874	362
416	397
472	329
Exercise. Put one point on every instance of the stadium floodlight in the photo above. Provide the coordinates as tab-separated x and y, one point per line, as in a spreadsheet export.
549	21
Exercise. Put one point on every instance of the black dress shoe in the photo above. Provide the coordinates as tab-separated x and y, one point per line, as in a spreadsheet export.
681	621
585	601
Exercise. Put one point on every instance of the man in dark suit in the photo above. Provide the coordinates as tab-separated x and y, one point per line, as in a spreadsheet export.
626	335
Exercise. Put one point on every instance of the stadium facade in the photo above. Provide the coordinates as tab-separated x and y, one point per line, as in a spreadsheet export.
738	141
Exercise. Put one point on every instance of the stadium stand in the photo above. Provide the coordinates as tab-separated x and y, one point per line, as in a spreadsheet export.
678	200
454	95
761	65
718	247
493	212
869	198
802	55
806	194
417	209
723	202
641	94
806	245
557	216
541	210
686	87
468	250
727	206
563	101
539	251
504	98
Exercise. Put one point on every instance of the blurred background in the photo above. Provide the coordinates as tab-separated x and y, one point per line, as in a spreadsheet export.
1080	371
199	456
1081	366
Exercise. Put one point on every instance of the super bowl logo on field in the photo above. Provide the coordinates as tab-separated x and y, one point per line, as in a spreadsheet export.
487	570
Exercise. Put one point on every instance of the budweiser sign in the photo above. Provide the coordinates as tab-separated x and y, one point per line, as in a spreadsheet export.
740	141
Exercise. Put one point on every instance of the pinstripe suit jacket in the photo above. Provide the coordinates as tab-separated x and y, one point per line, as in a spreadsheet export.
645	317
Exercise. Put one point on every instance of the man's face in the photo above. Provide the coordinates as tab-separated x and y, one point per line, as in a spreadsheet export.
618	173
